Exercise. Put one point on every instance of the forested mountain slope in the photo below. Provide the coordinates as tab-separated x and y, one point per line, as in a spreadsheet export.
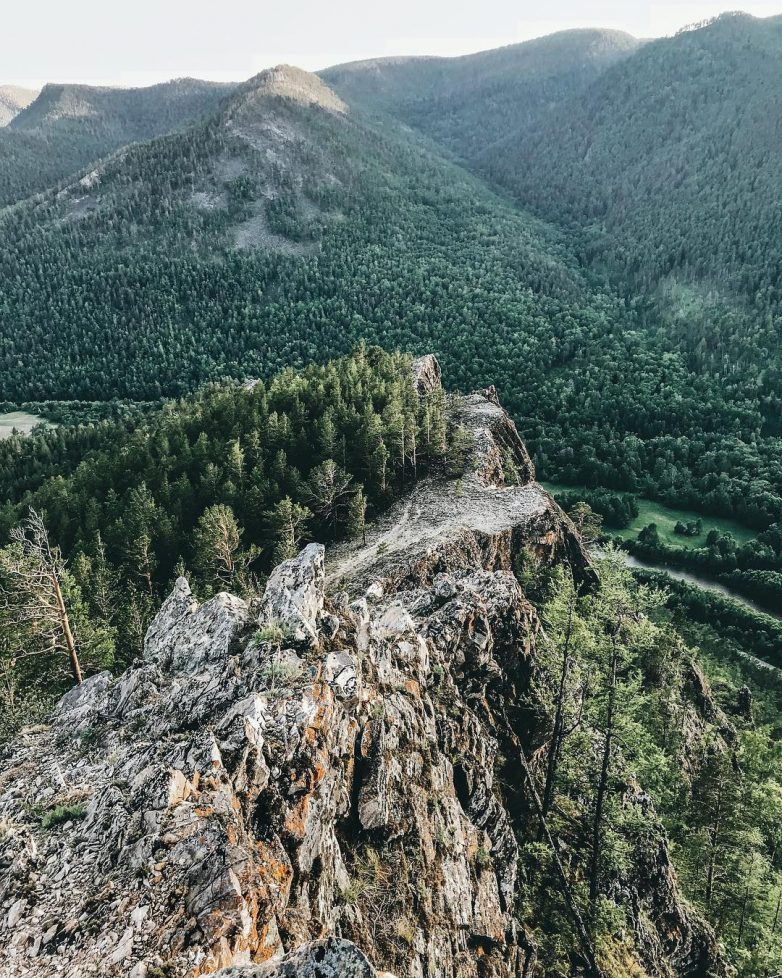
471	102
280	228
12	100
68	126
670	162
287	226
664	157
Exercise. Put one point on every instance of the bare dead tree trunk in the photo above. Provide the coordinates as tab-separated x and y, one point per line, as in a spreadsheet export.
559	717
70	642
602	785
31	595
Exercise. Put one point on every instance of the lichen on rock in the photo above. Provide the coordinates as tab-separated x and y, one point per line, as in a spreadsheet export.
324	801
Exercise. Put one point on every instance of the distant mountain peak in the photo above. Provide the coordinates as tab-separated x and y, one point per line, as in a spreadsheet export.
12	100
287	81
58	101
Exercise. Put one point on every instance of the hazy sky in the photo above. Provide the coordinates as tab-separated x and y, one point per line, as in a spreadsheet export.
141	41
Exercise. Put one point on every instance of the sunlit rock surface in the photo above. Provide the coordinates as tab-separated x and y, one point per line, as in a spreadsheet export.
342	800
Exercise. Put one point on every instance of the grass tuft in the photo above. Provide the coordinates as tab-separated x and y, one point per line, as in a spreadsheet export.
61	814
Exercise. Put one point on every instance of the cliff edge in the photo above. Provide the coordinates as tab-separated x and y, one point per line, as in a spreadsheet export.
329	784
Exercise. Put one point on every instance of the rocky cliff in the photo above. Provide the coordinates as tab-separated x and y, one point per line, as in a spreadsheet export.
330	784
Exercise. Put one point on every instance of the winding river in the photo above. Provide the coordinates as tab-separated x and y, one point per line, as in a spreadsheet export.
702	582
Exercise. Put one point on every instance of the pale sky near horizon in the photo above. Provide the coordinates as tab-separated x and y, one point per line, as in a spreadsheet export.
143	41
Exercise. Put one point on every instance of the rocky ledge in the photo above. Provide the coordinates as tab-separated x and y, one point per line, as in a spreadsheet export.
308	788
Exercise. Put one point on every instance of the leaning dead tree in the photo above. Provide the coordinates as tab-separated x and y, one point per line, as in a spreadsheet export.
31	595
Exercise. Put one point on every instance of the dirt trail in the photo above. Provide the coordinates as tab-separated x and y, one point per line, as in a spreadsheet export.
439	513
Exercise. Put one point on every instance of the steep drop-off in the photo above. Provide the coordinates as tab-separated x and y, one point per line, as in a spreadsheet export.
334	782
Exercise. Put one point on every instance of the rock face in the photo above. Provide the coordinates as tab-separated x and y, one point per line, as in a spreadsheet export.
427	375
332	958
293	599
333	796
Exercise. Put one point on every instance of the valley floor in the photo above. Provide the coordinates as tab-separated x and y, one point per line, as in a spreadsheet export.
666	517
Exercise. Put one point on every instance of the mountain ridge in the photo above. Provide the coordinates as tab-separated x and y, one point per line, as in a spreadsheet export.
620	39
267	783
287	176
53	101
68	127
487	89
13	100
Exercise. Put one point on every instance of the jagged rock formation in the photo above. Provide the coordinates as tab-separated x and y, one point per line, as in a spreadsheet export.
335	795
481	519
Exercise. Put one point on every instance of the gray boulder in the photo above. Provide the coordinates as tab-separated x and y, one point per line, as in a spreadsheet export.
294	595
333	958
427	375
187	638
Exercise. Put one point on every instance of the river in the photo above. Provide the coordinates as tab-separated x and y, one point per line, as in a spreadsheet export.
702	582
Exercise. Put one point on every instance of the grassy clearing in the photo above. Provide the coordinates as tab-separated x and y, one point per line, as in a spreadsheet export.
666	518
20	421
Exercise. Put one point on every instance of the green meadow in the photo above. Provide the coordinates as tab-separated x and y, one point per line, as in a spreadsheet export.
666	518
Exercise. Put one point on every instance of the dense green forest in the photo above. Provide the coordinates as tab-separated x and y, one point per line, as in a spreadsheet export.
194	257
743	631
658	155
223	485
669	180
659	161
68	127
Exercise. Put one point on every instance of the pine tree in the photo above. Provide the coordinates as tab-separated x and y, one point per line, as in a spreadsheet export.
356	519
235	461
287	522
138	528
216	541
327	492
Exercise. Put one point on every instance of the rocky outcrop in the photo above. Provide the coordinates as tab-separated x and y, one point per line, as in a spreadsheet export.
328	788
332	958
485	518
186	638
228	800
427	375
293	600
